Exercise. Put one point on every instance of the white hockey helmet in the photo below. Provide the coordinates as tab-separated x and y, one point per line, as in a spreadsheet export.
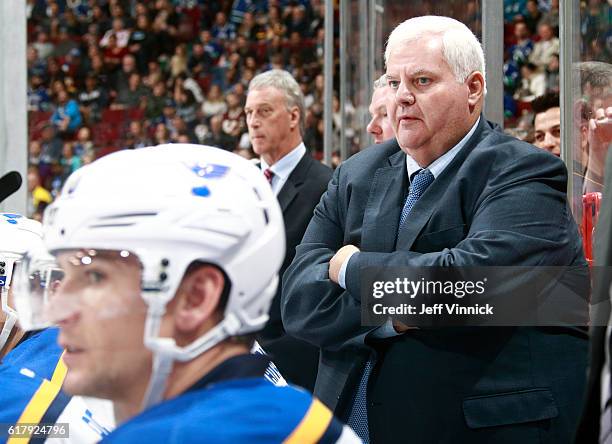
19	235
172	205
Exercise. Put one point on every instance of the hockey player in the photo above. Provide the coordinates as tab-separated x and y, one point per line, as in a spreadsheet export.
170	257
36	350
31	369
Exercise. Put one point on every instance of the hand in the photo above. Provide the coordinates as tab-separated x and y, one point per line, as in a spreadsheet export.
336	262
600	128
400	327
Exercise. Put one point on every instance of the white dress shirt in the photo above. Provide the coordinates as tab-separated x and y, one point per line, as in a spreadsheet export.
284	167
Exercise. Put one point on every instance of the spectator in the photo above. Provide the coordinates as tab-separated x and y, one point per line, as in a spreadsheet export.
552	74
162	135
532	15
51	150
70	161
136	136
121	34
546	47
297	21
233	119
199	62
38	196
93	99
35	65
211	48
179	130
552	16
214	103
249	29
38	97
187	83
142	43
98	15
163	34
113	54
186	107
178	62
217	137
521	50
121	79
67	116
64	44
533	83
34	153
168	113
155	103
133	97
84	146
223	30
43	46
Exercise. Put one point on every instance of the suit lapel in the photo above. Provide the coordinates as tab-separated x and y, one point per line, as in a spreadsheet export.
294	182
385	201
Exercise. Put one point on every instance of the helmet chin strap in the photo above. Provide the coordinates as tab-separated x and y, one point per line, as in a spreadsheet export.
165	351
9	322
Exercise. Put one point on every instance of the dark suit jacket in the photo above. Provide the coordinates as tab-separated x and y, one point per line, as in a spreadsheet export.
296	359
588	430
499	202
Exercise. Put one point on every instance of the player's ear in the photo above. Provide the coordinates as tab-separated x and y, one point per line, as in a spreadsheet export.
476	85
197	300
295	117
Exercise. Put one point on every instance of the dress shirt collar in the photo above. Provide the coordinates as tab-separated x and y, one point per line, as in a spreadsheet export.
438	165
283	168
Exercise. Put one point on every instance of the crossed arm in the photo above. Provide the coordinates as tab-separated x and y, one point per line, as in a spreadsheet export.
521	218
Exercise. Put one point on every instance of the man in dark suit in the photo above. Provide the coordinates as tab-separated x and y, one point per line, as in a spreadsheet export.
275	118
449	191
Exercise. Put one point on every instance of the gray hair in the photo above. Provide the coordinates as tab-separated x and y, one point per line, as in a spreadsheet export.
594	74
381	82
284	82
460	47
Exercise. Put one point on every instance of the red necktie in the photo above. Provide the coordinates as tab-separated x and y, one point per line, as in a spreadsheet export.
269	174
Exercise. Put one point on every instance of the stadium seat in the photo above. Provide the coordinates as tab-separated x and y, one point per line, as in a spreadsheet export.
37	120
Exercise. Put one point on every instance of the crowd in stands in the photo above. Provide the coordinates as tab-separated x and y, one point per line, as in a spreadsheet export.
114	74
531	53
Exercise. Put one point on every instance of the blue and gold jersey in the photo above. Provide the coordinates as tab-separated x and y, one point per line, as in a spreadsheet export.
27	398
31	378
234	403
38	351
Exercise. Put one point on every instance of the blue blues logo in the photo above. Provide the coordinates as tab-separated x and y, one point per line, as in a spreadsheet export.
209	170
11	218
2	281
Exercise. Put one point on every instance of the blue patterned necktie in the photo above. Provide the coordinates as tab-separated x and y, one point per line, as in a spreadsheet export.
358	419
420	181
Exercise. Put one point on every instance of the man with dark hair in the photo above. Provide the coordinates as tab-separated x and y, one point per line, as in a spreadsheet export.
547	123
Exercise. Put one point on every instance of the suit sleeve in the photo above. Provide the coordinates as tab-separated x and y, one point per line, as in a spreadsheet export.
521	219
314	308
